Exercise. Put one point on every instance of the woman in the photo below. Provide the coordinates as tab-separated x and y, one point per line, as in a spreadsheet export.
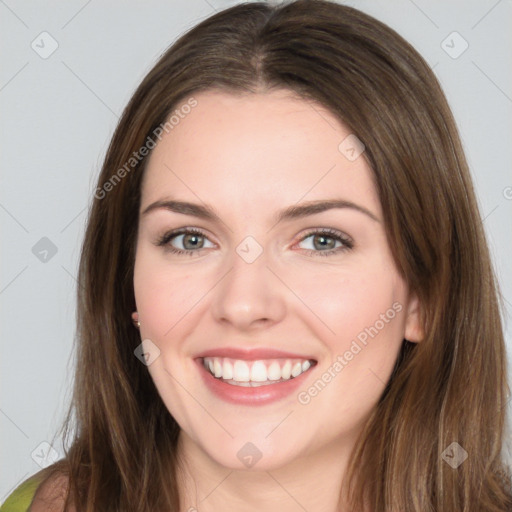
286	300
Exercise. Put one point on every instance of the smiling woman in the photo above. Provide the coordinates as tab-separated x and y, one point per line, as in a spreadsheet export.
288	302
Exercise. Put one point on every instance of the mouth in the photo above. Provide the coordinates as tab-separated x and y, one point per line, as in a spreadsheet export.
254	382
238	372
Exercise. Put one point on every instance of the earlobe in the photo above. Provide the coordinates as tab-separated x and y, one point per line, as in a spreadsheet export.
135	319
413	324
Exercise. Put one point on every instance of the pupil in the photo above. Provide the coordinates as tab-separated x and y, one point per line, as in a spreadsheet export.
322	244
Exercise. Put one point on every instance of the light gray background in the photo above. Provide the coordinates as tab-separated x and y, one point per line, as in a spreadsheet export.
59	113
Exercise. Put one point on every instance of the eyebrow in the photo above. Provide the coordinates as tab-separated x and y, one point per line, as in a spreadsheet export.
206	212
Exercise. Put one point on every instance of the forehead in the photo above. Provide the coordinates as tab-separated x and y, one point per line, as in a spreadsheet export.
268	148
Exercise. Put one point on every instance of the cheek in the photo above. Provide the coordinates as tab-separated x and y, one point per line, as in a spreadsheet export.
164	293
360	322
364	302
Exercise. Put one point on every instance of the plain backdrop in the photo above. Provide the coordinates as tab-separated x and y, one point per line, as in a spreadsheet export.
69	68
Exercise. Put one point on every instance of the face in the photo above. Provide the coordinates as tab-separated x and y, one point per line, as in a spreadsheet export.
314	296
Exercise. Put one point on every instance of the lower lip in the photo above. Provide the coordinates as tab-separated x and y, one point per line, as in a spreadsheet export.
242	395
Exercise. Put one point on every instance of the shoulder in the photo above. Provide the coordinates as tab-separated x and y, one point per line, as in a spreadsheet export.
50	495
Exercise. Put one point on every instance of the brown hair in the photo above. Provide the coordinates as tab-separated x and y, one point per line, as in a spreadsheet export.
449	387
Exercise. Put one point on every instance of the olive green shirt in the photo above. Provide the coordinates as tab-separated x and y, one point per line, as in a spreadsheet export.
21	498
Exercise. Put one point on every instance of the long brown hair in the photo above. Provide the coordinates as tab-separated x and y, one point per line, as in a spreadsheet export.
450	387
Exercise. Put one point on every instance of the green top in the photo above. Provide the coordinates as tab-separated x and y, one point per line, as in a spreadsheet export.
21	498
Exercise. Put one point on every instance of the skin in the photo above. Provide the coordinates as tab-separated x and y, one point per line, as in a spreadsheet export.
249	157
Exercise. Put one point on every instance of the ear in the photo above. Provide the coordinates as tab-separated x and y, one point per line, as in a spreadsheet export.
413	323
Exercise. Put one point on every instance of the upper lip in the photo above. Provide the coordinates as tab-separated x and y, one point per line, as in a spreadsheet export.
252	354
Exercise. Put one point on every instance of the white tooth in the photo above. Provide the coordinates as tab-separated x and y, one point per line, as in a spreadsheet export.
217	368
210	365
274	371
241	371
305	365
286	371
227	370
297	369
258	371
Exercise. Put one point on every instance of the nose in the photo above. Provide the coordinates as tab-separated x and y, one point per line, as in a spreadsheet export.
249	296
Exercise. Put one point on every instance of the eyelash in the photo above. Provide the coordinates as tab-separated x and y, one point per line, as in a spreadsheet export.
331	233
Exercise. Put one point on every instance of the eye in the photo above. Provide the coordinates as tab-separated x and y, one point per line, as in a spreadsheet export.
191	239
324	242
